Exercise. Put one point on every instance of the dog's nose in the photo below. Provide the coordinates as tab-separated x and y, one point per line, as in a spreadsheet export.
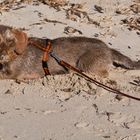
1	66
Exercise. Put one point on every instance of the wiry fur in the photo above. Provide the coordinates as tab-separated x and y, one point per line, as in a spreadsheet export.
88	54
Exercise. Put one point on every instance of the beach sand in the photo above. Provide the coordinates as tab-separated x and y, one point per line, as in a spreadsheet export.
67	107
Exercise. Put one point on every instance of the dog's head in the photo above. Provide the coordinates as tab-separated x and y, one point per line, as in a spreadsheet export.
13	42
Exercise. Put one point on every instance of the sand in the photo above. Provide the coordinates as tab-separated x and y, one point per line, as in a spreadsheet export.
67	107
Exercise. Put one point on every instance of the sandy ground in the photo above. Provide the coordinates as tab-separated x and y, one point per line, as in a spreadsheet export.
68	107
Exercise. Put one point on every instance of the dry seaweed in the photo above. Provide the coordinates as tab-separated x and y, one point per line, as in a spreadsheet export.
54	21
98	8
132	23
73	11
12	4
56	4
125	10
135	8
49	21
136	82
76	13
70	30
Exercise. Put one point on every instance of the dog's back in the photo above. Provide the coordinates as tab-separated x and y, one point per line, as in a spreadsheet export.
90	55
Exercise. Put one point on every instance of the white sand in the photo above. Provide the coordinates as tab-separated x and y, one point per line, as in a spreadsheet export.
68	107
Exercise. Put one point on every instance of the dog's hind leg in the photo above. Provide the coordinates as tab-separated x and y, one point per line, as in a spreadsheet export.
94	63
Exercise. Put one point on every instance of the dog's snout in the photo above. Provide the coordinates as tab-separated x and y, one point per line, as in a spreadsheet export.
1	66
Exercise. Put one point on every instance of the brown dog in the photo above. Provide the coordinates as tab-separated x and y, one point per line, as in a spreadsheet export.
21	61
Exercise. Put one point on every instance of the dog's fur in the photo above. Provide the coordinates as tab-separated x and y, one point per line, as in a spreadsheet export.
21	61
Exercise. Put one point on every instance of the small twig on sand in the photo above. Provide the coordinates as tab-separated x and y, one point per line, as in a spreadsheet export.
69	29
54	21
98	8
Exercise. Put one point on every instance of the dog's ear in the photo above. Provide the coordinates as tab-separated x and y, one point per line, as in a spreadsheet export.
21	40
16	39
1	39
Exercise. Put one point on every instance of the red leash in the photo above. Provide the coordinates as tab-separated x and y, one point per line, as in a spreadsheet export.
48	51
65	64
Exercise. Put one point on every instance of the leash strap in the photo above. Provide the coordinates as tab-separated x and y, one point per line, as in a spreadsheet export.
47	51
65	64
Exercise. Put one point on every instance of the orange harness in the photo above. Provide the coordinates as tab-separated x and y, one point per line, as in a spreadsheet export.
45	58
48	51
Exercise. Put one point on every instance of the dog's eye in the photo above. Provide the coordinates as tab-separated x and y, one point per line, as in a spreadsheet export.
1	66
2	57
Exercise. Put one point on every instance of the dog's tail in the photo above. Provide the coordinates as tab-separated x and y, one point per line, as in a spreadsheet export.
123	61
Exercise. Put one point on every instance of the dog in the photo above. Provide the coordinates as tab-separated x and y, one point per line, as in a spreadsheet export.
23	61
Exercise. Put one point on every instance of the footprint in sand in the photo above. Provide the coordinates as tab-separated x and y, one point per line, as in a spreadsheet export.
81	124
122	120
134	125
